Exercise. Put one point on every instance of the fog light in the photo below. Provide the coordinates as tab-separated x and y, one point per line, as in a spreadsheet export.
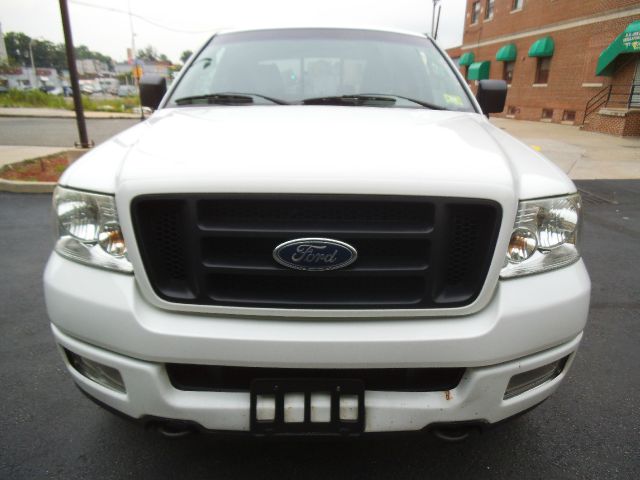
106	376
534	378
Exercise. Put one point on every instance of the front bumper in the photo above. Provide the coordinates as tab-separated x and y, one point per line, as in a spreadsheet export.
478	397
530	321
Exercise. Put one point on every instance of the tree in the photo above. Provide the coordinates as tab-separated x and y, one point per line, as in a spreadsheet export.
185	56
17	44
148	53
45	53
48	54
84	53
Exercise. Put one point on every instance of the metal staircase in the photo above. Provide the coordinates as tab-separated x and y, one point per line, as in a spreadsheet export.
613	96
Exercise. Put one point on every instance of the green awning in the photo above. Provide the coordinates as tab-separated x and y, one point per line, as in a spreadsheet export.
627	42
479	70
466	59
543	47
507	53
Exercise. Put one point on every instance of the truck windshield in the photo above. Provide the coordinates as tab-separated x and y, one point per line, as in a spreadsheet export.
321	67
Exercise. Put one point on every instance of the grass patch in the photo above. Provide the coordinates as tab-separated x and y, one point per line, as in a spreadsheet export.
38	99
120	104
31	98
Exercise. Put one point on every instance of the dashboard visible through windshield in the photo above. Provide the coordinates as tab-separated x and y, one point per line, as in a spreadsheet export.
321	67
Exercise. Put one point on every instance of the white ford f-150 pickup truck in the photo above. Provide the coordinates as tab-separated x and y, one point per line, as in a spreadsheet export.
318	231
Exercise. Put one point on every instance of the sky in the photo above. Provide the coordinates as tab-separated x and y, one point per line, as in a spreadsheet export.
172	27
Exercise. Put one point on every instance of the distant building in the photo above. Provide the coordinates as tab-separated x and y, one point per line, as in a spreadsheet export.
4	58
92	67
25	78
569	61
455	53
148	68
123	68
157	68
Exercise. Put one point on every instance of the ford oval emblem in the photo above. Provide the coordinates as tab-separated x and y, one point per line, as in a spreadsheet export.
315	254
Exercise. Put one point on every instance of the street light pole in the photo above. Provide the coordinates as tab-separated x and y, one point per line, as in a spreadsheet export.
435	33
433	19
73	76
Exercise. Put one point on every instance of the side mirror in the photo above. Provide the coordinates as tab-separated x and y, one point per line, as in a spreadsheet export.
152	89
492	95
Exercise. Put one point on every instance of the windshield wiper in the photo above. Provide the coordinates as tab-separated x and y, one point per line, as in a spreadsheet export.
366	98
226	98
349	100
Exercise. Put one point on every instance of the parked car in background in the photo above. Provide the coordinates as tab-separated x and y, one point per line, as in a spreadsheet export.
52	90
87	88
127	90
109	85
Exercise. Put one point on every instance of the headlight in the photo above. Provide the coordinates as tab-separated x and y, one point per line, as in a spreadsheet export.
545	236
88	230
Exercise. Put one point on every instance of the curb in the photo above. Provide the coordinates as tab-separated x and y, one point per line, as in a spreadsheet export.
17	186
73	117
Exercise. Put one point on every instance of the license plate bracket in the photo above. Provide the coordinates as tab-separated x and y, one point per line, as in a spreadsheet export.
351	389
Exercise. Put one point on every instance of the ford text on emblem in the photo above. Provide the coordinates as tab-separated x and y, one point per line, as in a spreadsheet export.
315	254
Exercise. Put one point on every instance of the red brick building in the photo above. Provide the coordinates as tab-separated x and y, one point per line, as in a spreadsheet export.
573	61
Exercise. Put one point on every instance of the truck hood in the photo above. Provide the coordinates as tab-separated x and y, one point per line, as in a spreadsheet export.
317	149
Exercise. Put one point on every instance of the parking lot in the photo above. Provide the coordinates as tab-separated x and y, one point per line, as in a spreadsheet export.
589	429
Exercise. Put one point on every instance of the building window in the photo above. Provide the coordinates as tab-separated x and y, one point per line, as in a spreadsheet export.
475	12
507	72
542	70
569	116
517	5
488	10
547	114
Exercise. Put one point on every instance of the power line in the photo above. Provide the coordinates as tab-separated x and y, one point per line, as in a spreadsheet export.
140	17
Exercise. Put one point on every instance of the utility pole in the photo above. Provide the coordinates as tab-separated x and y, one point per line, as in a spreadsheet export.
133	35
33	64
3	48
134	56
73	76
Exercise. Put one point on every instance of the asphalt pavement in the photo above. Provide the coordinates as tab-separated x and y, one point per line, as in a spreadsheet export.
57	132
590	429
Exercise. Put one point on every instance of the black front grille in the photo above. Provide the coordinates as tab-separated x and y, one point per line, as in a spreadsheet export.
413	252
238	379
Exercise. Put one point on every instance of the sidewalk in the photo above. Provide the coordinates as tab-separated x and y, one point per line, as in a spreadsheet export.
581	155
60	113
12	154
